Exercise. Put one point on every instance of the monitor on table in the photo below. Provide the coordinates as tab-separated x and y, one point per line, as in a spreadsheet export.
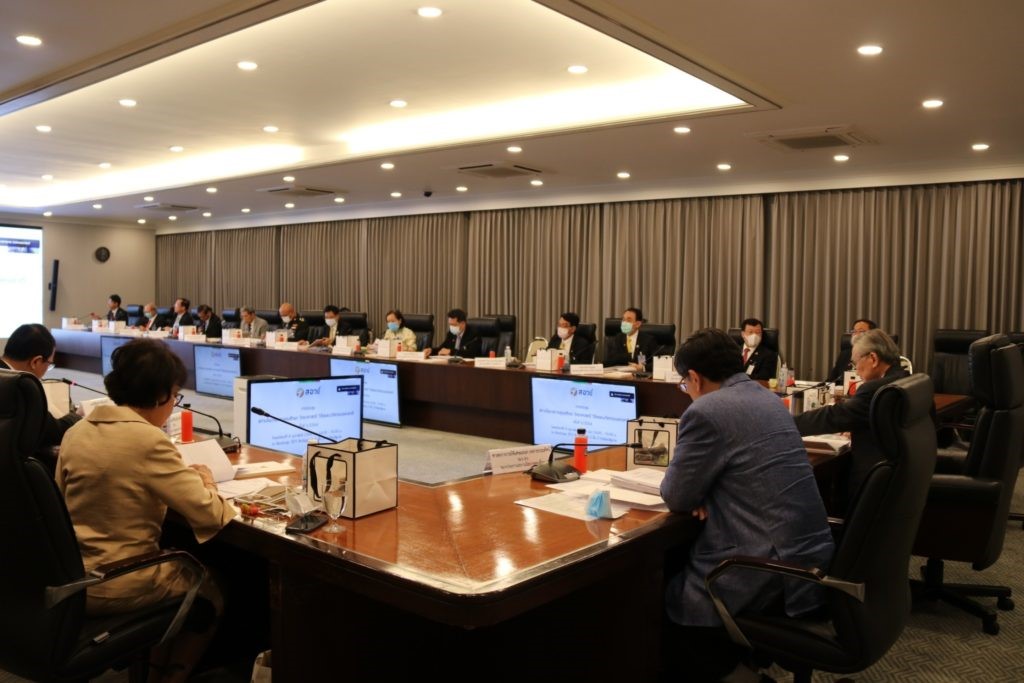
216	369
331	406
380	387
561	406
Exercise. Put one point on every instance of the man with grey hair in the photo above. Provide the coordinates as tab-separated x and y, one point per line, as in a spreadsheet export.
876	359
253	327
297	327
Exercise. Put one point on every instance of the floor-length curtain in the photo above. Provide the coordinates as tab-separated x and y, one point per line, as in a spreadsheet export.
184	268
323	263
246	267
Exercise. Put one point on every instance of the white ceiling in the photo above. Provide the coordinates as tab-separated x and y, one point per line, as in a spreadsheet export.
328	71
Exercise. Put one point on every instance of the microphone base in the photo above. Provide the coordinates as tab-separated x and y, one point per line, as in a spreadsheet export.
554	472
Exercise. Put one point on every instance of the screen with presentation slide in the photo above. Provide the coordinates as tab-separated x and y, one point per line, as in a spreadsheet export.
21	277
107	346
561	406
216	369
380	387
331	406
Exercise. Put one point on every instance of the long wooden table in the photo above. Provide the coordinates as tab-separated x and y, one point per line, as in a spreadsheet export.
448	397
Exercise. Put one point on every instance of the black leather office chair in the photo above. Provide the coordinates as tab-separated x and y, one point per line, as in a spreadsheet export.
506	331
866	592
665	336
770	338
949	362
354	324
165	311
135	314
44	633
272	317
230	318
488	330
313	318
969	498
1018	339
589	332
422	325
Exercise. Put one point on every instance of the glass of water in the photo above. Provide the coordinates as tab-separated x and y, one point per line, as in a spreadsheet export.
334	499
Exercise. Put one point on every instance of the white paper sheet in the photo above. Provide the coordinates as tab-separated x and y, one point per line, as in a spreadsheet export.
568	506
208	453
242	487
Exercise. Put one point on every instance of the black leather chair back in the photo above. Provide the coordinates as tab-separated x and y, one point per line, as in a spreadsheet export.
272	317
506	333
845	342
949	362
488	330
665	336
612	327
230	318
588	331
356	324
313	318
135	314
422	324
165	311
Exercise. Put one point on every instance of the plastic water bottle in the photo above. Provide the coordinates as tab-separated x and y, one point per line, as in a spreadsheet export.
508	354
642	360
783	378
579	451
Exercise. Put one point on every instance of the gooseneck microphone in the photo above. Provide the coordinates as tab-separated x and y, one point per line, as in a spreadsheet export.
556	472
73	383
262	413
226	443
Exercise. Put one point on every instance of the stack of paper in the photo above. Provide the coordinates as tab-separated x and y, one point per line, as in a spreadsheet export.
644	480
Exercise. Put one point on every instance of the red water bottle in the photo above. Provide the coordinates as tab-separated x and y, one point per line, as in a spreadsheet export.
186	426
579	451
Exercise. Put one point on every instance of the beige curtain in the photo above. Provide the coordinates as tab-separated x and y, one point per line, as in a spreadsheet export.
247	271
692	262
322	263
535	264
184	268
913	259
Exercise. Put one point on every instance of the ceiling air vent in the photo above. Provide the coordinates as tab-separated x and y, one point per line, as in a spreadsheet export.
499	170
813	138
167	208
297	191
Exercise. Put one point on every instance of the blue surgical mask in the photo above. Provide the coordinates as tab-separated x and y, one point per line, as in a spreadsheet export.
393	327
454	329
627	328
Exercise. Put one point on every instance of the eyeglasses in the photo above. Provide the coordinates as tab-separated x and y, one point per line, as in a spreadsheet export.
178	398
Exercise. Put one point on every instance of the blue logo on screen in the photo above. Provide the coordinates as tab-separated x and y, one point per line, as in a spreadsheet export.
300	392
580	391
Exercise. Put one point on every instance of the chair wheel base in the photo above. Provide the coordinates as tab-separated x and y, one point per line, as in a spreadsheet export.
990	626
1005	604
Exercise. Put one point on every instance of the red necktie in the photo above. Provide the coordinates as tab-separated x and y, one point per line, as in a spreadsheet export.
746	354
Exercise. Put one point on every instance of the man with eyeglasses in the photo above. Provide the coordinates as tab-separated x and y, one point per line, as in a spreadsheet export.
31	349
843	362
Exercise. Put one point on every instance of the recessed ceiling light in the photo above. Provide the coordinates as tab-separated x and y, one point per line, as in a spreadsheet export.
270	129
399	104
870	50
514	149
536	182
842	157
141	221
339	200
44	128
724	167
127	102
105	164
577	69
46	176
396	195
979	146
462	188
681	130
932	104
248	66
172	218
289	179
289	205
47	213
148	198
246	210
624	175
429	12
206	214
31	41
176	148
212	190
97	206
387	165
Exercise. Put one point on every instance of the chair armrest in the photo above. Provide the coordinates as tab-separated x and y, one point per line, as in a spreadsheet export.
54	595
795	571
956	488
950	461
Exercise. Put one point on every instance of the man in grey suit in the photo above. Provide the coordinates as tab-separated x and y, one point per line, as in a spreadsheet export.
740	467
253	326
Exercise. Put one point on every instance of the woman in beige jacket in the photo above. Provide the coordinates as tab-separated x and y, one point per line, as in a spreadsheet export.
119	473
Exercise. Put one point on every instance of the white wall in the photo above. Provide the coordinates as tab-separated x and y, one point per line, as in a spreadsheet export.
84	283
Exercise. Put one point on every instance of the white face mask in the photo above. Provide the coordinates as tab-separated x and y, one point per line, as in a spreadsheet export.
331	322
752	340
286	319
454	329
563	332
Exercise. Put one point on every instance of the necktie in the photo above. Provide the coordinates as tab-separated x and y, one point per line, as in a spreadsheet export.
746	354
630	344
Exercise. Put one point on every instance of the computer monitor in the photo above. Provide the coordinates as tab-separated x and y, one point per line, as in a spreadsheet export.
107	346
561	406
216	369
332	406
380	387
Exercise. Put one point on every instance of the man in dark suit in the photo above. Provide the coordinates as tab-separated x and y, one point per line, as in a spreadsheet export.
877	362
114	310
631	344
459	341
578	349
151	320
737	450
759	361
208	323
298	328
181	314
843	362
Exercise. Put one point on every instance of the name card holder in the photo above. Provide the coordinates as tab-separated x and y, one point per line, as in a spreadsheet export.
662	367
547	360
518	459
195	338
158	334
411	355
115	326
185	330
287	346
342	349
490	363
387	348
586	369
99	325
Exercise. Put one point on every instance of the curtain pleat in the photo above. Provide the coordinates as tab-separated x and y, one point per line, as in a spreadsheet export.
321	264
247	269
184	268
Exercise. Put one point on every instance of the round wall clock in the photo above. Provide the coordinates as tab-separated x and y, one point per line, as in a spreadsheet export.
102	254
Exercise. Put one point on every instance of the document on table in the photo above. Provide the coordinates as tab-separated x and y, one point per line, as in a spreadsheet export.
594	481
643	479
208	453
568	506
243	487
262	469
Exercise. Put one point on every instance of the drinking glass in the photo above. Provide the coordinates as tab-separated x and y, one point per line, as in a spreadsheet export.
334	500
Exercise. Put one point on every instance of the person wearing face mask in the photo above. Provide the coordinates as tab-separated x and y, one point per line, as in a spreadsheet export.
627	347
398	330
737	449
843	362
298	328
459	341
151	319
578	349
31	349
759	361
335	327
